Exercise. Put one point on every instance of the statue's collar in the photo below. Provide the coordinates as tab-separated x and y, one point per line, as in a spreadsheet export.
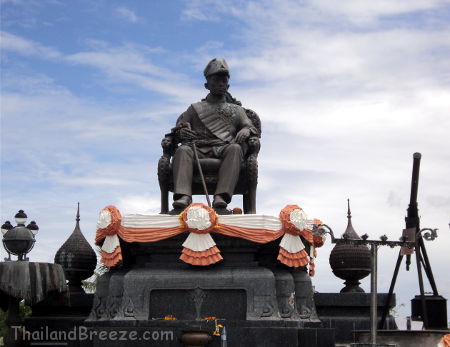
214	99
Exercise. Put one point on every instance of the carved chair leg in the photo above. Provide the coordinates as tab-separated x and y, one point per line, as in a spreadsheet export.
245	203
164	200
252	199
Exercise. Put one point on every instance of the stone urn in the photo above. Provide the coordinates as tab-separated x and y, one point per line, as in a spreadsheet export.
350	262
196	338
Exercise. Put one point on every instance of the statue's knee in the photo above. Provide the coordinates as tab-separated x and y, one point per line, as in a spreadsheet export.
184	150
235	147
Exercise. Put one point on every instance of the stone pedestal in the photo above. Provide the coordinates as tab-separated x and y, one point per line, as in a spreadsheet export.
239	333
58	321
260	301
32	282
349	312
143	294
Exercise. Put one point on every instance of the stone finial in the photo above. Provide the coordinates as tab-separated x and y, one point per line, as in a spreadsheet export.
77	257
350	262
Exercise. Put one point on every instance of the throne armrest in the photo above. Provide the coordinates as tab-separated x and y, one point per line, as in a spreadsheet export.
254	145
168	145
251	162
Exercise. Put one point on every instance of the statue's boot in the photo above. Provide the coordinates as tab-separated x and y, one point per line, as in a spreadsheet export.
182	202
219	202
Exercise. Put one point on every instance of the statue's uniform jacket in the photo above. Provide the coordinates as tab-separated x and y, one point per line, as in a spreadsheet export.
216	125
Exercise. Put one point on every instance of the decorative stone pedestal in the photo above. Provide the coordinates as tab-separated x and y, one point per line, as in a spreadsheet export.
32	282
261	302
57	321
239	333
228	293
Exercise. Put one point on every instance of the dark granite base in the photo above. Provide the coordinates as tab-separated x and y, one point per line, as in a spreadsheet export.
229	292
249	284
348	312
239	333
260	302
56	316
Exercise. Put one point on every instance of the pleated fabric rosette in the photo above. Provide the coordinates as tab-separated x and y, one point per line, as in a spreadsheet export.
295	223
108	226
199	248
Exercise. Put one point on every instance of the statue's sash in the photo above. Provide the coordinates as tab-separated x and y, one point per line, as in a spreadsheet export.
217	118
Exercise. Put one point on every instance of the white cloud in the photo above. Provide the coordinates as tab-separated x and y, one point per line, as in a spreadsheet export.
127	14
94	181
127	63
203	10
14	2
141	204
131	64
393	199
307	13
10	42
366	11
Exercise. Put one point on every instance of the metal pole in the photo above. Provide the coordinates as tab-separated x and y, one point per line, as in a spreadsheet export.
373	294
428	270
422	291
412	220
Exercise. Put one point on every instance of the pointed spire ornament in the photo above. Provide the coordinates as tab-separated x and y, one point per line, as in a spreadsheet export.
349	231
77	257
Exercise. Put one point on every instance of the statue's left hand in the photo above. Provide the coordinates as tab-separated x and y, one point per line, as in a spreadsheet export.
242	135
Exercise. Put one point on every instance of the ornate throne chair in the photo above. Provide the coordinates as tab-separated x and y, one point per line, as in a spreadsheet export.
248	178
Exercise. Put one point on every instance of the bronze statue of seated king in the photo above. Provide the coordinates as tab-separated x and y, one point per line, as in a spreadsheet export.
224	137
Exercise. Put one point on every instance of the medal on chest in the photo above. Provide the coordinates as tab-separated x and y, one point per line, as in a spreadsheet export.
225	113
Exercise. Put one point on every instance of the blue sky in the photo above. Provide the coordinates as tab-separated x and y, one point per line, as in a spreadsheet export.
347	92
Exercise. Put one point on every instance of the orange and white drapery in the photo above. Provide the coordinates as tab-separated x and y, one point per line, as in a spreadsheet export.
444	341
199	247
292	250
200	221
131	228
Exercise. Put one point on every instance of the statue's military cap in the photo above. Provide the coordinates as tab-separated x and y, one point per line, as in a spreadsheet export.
215	66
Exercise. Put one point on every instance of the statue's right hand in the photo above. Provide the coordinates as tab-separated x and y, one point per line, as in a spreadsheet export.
186	134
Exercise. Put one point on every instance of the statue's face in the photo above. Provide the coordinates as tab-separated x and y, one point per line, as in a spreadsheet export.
253	141
166	142
217	84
